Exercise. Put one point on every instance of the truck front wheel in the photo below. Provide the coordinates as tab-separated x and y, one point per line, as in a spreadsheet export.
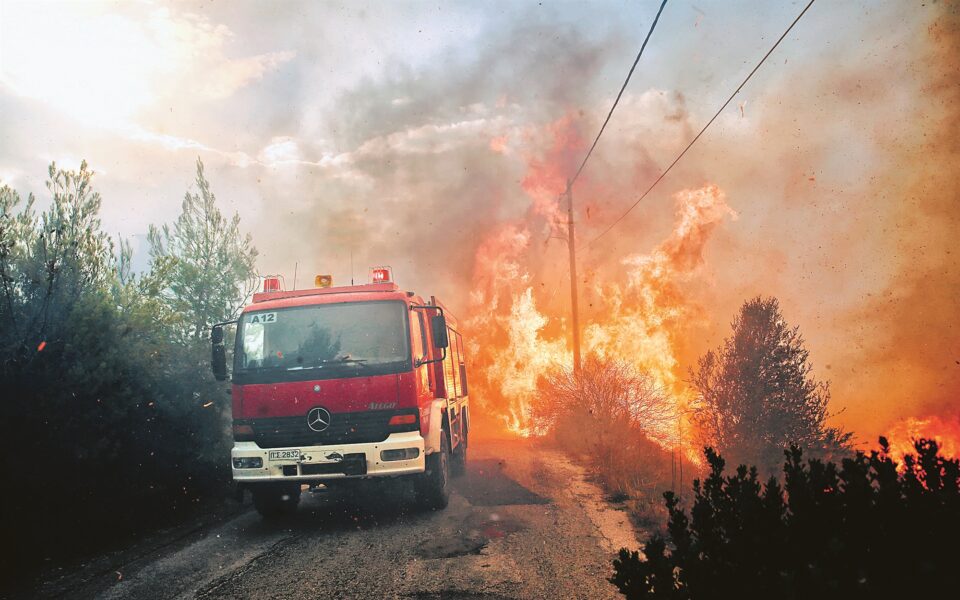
276	500
433	487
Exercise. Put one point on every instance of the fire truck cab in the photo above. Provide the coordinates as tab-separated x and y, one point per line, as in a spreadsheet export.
335	384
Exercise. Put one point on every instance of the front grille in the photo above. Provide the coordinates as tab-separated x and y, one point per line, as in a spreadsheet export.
345	428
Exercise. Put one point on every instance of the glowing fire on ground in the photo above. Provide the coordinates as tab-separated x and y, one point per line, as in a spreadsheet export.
945	431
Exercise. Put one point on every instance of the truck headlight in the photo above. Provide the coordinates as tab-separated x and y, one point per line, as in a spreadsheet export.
248	462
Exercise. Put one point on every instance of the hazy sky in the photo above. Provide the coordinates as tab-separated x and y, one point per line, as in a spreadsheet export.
266	93
407	132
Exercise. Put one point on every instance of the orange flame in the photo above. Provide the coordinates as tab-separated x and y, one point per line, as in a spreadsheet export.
636	317
945	431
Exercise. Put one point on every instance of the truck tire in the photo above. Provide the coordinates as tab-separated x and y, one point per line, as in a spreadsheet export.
433	487
458	459
273	501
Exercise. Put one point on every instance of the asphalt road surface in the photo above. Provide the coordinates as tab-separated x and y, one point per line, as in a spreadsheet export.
522	523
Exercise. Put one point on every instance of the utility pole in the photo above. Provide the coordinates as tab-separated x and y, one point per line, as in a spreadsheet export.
573	281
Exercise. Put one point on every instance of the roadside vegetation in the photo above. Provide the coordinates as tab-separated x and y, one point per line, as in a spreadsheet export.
110	422
867	528
603	416
827	522
755	397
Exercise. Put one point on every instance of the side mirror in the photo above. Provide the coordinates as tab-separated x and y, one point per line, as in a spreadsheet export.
218	362
218	354
438	326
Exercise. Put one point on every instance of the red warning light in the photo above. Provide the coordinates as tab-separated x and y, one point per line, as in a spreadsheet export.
271	284
381	274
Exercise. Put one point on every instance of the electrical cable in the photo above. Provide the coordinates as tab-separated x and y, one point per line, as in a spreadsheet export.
622	88
694	140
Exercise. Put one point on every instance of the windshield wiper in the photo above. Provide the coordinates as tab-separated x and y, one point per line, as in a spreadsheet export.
323	363
345	360
263	368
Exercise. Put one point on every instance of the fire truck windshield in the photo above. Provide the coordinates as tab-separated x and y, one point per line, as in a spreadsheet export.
322	342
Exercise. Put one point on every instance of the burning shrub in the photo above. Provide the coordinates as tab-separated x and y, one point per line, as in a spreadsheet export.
604	414
863	530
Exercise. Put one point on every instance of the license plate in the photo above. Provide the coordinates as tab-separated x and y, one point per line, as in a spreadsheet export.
284	455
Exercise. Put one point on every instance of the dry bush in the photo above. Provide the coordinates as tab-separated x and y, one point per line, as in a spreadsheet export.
603	416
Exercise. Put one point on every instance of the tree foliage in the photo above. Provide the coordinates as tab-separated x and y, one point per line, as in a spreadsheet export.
110	421
863	530
47	261
757	395
211	264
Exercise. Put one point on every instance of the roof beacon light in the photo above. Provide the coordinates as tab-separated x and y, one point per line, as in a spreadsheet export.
381	274
271	284
323	281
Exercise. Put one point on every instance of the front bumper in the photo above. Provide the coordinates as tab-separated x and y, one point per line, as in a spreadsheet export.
357	461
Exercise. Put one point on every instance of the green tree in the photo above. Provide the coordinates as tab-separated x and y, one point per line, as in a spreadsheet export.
211	265
757	396
95	382
48	262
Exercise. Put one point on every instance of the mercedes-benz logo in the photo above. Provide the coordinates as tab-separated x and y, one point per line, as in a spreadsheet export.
318	419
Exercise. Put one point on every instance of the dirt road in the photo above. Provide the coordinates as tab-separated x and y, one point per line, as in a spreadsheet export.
522	523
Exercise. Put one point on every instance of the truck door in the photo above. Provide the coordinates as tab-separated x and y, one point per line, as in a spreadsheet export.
419	337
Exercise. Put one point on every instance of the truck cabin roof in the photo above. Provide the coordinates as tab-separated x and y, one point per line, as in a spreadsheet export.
330	295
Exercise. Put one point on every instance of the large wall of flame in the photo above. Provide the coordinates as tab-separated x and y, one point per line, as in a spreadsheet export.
858	248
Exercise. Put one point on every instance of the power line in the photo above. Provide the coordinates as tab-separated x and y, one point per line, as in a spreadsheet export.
710	122
622	88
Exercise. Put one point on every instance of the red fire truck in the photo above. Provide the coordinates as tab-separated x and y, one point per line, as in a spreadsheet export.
335	384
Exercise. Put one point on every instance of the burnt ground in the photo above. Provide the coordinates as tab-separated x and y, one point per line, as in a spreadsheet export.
522	523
